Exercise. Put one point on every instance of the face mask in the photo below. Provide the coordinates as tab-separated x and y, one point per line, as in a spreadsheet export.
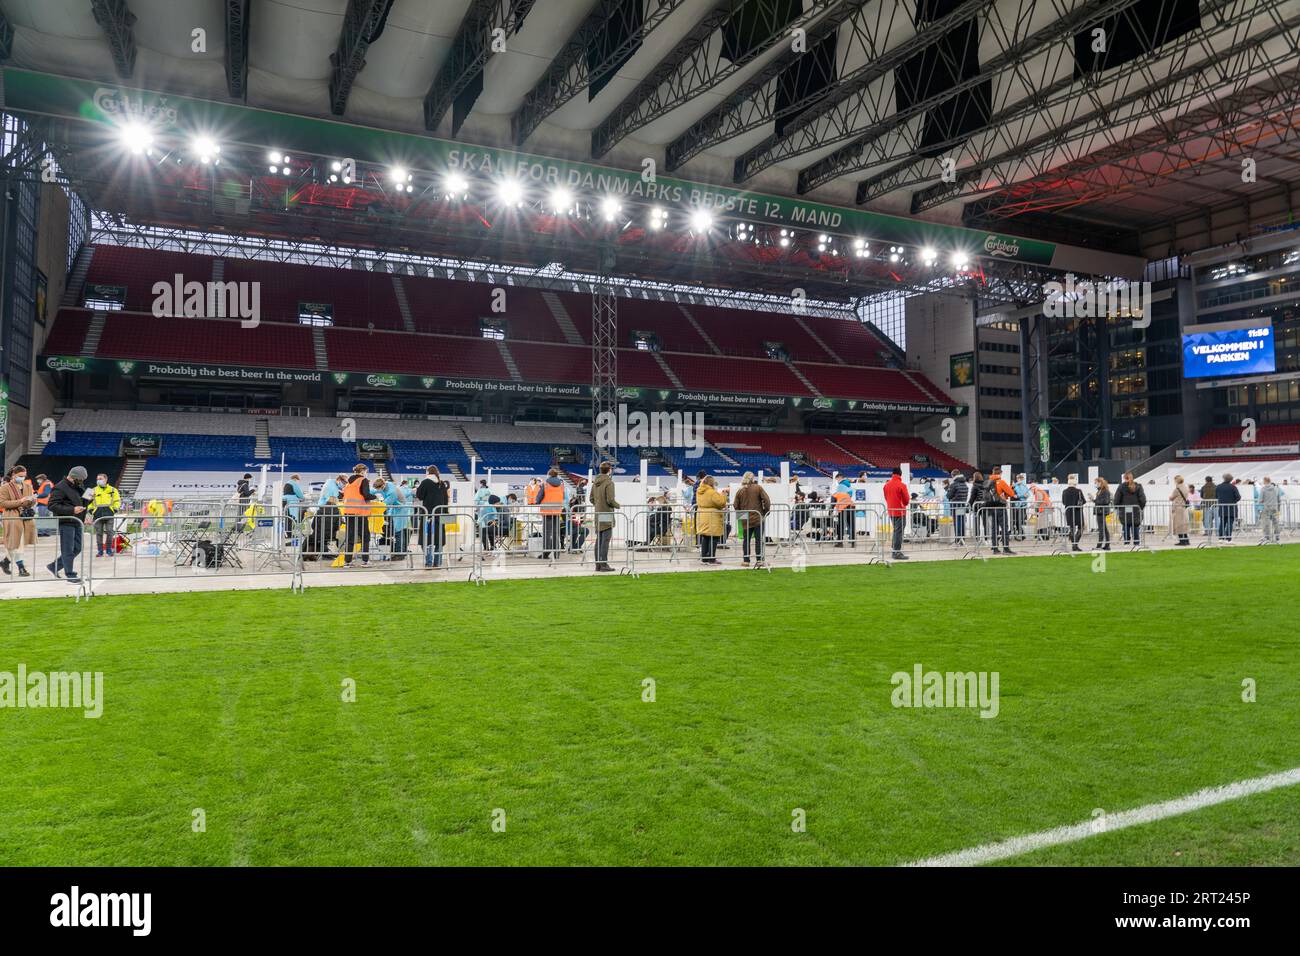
101	482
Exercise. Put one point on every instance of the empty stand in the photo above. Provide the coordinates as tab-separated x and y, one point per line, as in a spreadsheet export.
68	332
219	341
139	269
743	332
853	341
359	299
755	376
414	354
844	381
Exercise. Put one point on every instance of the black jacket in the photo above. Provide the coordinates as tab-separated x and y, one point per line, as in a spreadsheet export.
958	490
64	499
977	489
432	495
1225	494
1072	497
1128	499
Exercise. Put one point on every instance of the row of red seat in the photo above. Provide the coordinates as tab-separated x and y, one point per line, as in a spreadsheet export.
877	451
1264	435
361	299
142	336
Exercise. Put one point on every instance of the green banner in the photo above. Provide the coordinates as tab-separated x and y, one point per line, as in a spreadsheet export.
44	93
206	372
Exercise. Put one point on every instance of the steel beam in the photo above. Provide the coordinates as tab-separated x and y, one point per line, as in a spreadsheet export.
569	73
117	21
362	24
485	22
754	105
877	119
851	89
237	24
696	66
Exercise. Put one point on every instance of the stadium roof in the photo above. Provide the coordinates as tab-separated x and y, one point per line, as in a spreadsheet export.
854	103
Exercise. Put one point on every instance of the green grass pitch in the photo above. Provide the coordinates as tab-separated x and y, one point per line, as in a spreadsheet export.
772	693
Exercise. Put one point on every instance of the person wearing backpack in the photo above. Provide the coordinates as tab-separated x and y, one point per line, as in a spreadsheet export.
997	498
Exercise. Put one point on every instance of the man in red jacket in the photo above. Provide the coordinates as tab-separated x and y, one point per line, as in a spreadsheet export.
897	498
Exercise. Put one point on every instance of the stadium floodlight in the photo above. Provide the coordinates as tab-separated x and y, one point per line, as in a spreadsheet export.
136	137
701	220
658	217
455	186
785	242
960	260
609	207
273	169
510	192
929	256
336	166
205	148
561	200
401	178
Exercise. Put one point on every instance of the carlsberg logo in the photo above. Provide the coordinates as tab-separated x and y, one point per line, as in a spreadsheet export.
114	102
997	246
66	364
382	381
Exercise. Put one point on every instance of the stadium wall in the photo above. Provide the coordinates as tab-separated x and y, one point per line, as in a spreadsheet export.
940	328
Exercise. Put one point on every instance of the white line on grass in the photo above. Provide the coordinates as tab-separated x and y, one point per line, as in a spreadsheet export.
1208	797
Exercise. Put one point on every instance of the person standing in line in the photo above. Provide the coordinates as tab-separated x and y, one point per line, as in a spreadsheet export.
1179	501
1101	501
433	495
1227	496
244	489
842	502
1129	500
554	502
1020	506
1073	501
897	499
958	492
17	520
67	505
1270	505
43	488
106	502
997	497
357	497
398	512
979	519
752	507
603	504
709	505
1209	506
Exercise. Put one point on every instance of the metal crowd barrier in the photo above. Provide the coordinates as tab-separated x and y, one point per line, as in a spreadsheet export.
225	537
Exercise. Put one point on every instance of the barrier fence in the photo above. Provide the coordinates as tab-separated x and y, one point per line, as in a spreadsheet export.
217	538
